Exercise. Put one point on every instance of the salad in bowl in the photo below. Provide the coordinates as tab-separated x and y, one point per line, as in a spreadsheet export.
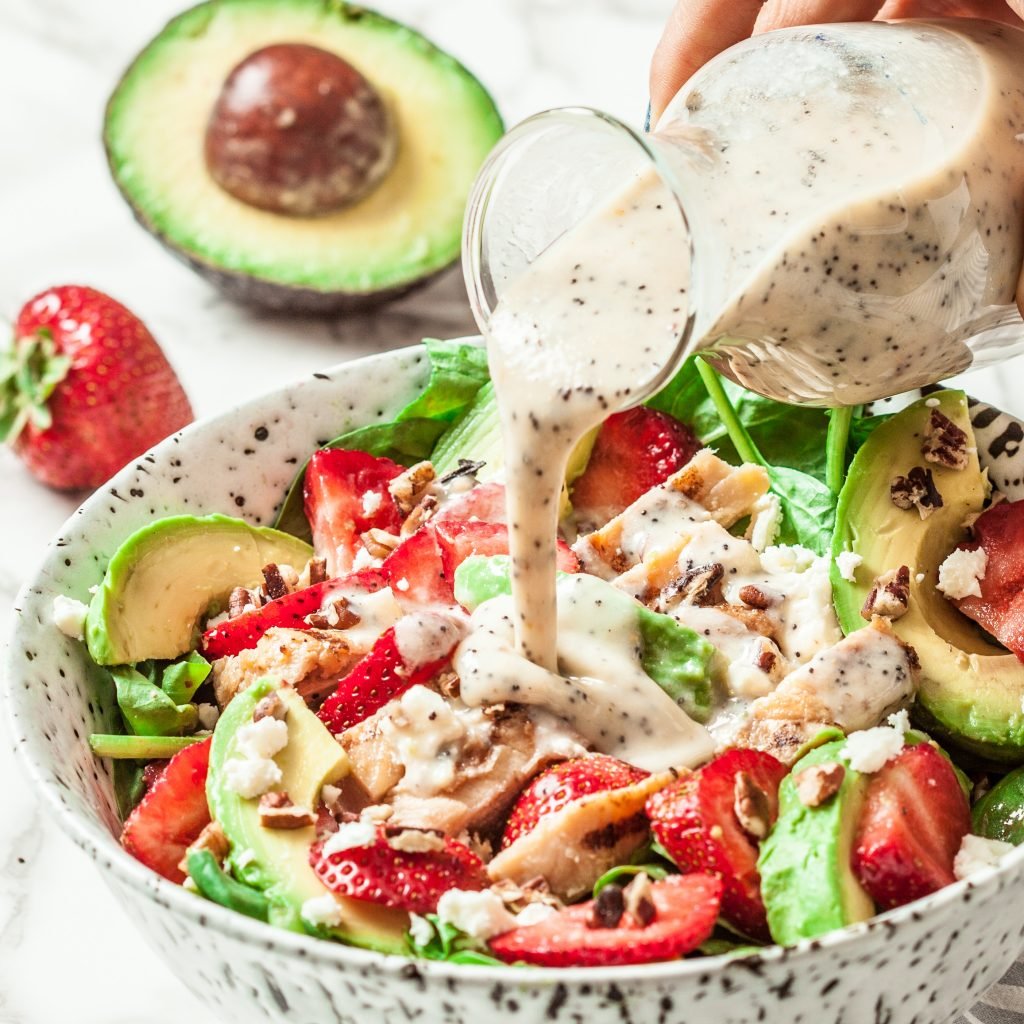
788	694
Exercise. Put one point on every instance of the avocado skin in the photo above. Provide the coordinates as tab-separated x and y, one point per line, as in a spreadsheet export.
999	814
971	689
254	289
806	881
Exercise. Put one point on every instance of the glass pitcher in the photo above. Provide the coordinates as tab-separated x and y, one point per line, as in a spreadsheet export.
845	201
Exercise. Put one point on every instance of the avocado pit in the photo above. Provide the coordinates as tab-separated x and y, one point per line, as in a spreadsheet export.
297	130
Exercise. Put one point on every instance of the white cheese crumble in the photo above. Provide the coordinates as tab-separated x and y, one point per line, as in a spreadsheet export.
251	777
847	563
364	560
977	853
932	403
960	573
481	915
209	714
765	521
421	931
787	558
350	836
262	739
322	910
69	616
534	914
869	750
371	502
402	584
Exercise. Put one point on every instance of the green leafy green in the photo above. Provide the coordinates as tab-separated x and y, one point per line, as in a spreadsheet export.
449	943
146	709
457	372
219	887
862	428
141	748
182	678
808	509
475	435
627	871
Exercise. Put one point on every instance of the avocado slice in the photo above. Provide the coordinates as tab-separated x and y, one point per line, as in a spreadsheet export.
999	814
406	230
276	861
971	688
807	884
165	576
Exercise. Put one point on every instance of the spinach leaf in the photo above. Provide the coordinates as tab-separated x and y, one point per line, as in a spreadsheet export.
623	874
182	678
449	943
146	709
457	372
808	509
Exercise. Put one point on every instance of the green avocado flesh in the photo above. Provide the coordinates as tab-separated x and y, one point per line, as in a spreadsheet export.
407	228
806	881
999	814
276	861
164	577
971	688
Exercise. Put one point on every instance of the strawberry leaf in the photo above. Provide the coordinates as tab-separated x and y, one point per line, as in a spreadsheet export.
29	372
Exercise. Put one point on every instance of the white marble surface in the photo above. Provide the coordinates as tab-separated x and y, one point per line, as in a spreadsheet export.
67	951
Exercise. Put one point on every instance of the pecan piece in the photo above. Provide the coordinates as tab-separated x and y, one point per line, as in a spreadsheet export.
639	902
697	586
277	811
819	783
212	838
419	516
336	615
889	595
317	571
379	543
242	601
413	840
944	442
273	582
270	706
608	908
409	487
750	802
916	490
754	597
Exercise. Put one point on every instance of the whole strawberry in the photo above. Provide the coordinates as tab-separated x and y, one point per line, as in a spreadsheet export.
85	388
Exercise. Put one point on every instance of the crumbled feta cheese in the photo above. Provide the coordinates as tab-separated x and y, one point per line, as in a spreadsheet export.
869	749
765	521
208	715
847	563
69	616
363	560
977	853
480	915
376	813
932	403
900	720
371	502
421	931
787	558
323	911
960	573
251	777
265	738
402	584
534	914
350	836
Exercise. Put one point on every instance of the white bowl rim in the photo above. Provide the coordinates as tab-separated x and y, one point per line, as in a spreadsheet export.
173	897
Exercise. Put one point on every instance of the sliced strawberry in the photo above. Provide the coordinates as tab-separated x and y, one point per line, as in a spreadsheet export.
686	907
485	502
461	539
914	819
416	573
346	494
171	815
413	881
695	820
385	672
634	451
1000	609
288	612
560	785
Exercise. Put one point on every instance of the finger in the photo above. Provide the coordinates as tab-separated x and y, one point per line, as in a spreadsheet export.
696	32
1010	12
787	13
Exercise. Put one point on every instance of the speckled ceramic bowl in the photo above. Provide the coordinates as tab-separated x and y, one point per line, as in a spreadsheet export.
918	964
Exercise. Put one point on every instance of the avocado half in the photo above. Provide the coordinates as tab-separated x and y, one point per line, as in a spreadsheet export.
972	689
398	237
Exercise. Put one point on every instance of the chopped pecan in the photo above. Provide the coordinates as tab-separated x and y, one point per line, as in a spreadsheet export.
750	802
767	656
317	570
273	582
277	811
449	685
944	442
889	595
819	783
409	487
699	585
916	490
241	601
517	896
754	597
638	900
608	908
332	798
413	840
270	706
336	615
466	467
380	543
419	516
213	839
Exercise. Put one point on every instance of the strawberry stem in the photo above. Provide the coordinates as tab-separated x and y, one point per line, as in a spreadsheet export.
29	372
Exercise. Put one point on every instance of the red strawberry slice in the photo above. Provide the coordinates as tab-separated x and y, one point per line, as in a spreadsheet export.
85	389
695	820
413	881
1000	609
346	494
634	451
288	612
914	819
686	907
485	502
171	815
383	674
415	571
560	785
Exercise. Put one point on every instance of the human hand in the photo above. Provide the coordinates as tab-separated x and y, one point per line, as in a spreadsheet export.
699	29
